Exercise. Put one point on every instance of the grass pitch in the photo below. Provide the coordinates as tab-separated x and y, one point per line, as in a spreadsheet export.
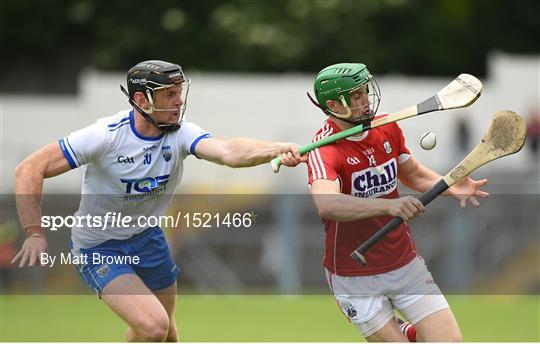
252	318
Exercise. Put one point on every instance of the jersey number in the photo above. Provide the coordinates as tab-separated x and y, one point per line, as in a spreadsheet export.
147	158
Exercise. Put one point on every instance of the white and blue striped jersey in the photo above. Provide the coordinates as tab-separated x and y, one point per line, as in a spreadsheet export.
126	173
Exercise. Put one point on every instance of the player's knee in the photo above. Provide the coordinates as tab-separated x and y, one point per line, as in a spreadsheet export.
453	337
155	329
156	334
172	336
456	337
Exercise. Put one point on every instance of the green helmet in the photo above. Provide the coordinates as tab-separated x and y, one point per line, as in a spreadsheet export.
335	82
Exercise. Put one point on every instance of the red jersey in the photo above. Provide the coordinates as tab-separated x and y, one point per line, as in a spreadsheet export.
365	166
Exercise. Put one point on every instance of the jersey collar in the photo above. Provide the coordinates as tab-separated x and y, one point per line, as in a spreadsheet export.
139	135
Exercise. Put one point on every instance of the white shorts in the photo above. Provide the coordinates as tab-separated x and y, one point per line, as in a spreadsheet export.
368	301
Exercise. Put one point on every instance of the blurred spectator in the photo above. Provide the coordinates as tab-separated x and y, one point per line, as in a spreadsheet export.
9	232
463	135
533	131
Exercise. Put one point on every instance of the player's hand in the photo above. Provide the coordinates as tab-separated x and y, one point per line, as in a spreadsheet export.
468	189
290	155
31	251
407	207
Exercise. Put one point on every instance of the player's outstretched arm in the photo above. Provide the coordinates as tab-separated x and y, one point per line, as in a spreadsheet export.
418	177
333	205
47	162
244	152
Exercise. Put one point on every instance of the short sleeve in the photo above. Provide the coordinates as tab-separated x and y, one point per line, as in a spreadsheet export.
189	136
84	145
322	164
403	152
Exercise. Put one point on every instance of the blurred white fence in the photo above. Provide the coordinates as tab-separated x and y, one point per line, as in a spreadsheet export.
267	107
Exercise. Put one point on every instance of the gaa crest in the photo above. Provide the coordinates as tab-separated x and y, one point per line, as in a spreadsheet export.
349	310
167	152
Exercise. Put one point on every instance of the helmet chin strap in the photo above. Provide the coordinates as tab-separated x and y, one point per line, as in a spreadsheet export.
162	126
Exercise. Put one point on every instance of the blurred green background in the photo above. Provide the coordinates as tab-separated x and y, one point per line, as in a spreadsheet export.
313	318
412	37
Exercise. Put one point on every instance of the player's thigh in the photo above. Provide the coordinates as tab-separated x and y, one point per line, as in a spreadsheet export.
420	300
383	327
413	291
167	297
439	326
129	297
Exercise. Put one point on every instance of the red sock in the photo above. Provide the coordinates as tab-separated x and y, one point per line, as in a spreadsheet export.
409	331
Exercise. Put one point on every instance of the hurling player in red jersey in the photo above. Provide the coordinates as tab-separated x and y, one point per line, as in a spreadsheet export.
354	187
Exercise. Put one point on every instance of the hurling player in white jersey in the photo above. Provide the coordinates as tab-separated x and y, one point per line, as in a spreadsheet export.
134	160
353	184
